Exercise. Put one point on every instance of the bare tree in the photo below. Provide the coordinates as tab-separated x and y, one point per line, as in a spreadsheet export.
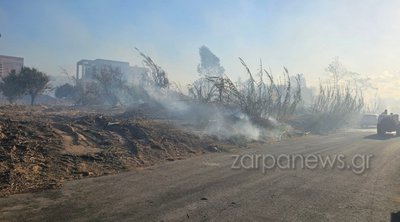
336	71
111	82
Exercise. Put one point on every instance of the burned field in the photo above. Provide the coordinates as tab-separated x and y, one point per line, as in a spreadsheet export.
94	132
41	147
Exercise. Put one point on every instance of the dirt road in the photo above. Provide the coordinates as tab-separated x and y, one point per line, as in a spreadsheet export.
205	188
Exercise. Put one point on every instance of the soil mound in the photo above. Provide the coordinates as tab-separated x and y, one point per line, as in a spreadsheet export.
41	147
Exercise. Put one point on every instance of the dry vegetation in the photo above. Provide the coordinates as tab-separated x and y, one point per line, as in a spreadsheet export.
333	108
255	97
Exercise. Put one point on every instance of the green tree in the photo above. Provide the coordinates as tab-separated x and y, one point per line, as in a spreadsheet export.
209	64
65	91
11	87
33	82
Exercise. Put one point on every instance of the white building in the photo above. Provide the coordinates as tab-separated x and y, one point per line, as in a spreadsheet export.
138	75
85	69
9	63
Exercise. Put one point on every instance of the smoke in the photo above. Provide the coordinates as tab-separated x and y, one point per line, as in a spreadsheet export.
208	119
225	129
239	111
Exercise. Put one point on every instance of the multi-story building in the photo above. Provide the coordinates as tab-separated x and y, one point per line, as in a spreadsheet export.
138	75
86	69
9	63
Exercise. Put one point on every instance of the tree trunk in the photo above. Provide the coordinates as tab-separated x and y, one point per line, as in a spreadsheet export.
32	99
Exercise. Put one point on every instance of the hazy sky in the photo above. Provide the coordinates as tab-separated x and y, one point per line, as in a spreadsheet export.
302	35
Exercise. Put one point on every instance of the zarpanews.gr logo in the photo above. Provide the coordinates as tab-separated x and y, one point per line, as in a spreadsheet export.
357	163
